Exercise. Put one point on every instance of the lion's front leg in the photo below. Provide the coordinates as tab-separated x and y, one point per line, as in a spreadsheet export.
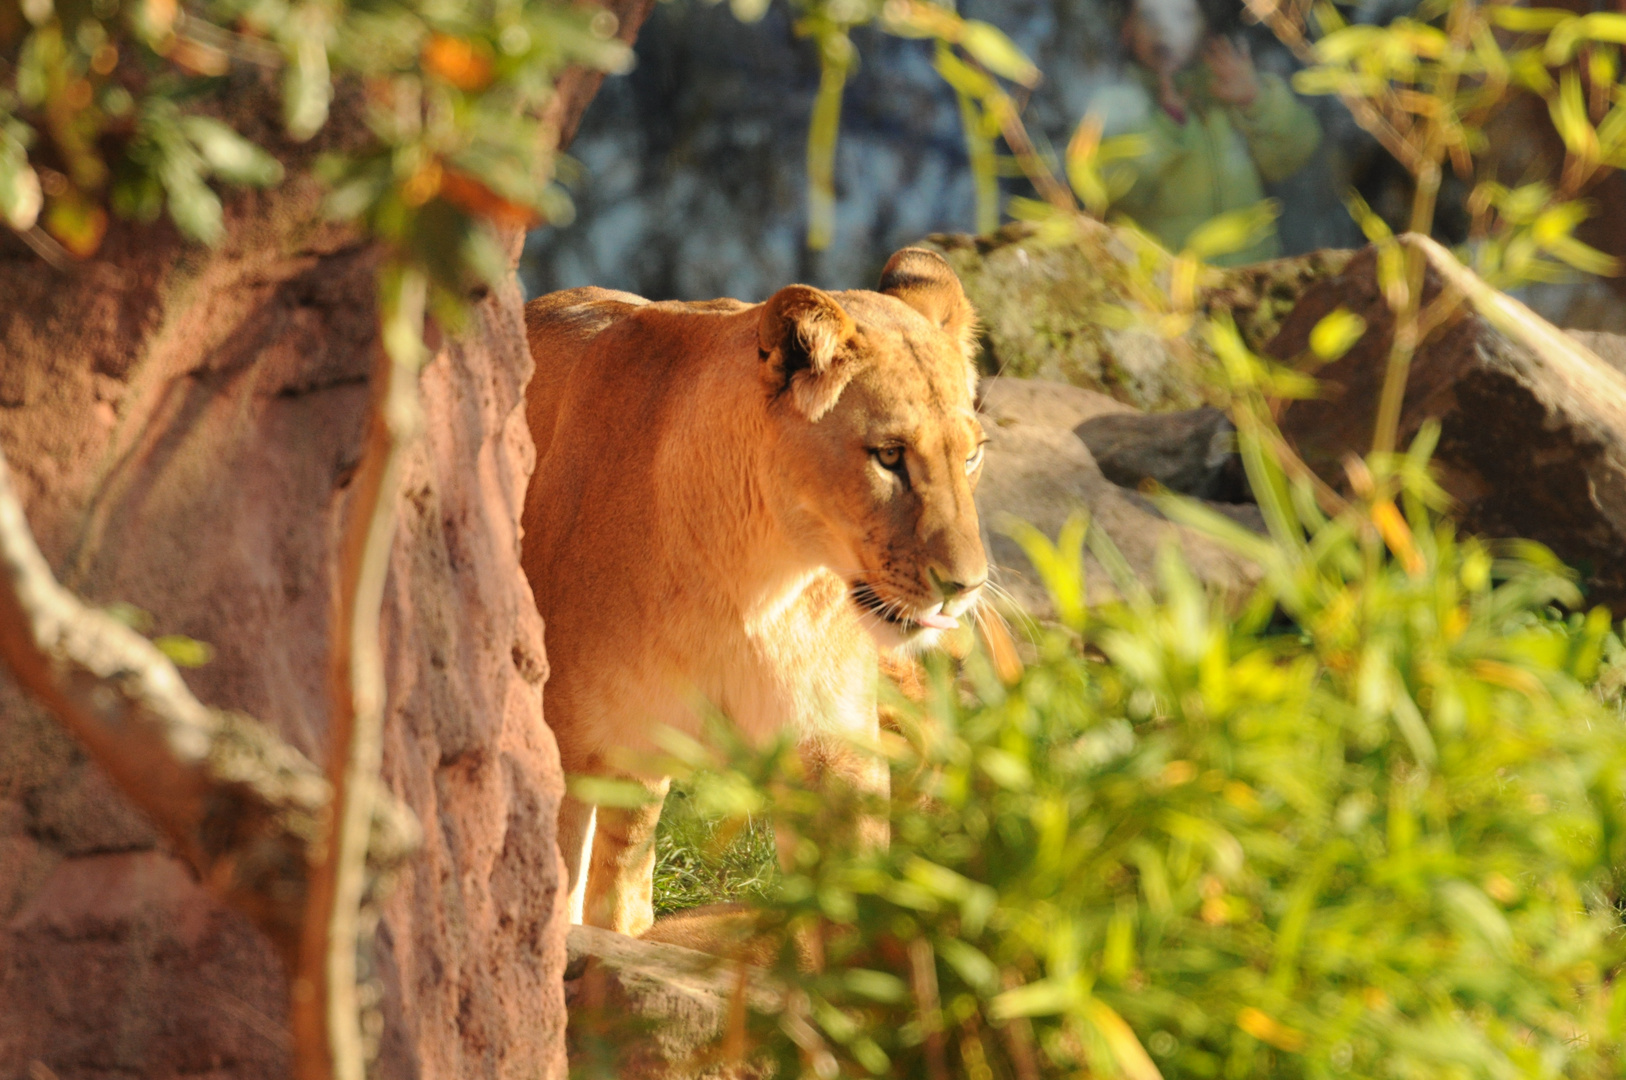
828	761
620	892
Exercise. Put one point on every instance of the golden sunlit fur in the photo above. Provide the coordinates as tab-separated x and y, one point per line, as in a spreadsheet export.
738	505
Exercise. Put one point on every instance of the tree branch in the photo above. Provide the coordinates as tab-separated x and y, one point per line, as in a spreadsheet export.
239	804
325	1017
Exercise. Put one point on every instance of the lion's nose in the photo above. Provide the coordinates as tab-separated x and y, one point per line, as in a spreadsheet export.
950	589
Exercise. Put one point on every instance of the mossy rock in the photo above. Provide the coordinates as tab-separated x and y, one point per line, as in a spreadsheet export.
1054	311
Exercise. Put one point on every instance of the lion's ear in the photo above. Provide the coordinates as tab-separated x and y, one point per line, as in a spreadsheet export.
806	343
926	282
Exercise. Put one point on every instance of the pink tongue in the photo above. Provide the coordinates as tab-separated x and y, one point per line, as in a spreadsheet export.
937	621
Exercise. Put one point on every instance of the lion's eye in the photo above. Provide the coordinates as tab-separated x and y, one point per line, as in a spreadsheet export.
889	457
973	462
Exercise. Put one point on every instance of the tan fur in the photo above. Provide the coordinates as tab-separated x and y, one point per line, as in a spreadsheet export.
708	524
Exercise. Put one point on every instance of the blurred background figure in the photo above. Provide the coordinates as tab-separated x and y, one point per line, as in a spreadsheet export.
1215	127
693	179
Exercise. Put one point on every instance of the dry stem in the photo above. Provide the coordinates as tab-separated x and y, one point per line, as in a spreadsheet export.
325	1014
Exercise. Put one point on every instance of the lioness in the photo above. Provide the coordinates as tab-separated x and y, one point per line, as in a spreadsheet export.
737	504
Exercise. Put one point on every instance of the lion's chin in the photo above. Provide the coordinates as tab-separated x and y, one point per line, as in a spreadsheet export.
902	633
908	638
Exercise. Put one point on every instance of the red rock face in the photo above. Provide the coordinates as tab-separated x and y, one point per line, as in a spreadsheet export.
183	424
202	478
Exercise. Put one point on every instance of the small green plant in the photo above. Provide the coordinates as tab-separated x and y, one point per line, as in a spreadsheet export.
701	859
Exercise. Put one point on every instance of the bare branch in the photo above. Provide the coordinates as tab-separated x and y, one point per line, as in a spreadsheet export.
237	802
325	1016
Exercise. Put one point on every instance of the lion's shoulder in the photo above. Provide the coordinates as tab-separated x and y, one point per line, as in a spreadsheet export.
572	317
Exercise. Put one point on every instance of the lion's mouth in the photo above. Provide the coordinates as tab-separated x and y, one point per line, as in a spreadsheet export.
893	612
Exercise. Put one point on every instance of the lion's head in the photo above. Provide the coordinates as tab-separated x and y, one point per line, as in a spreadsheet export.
875	442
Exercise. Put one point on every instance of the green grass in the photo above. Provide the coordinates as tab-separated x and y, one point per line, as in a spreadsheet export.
699	861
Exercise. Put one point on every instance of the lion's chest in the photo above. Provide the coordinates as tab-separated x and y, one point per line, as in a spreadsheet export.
801	661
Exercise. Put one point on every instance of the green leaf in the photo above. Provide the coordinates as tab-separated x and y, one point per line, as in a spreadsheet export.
970	963
1474	911
1569	115
307	81
184	651
875	985
1336	333
20	194
195	209
835	59
1060	564
1233	231
996	52
1585	258
231	156
1005	768
609	792
1346	44
1047	997
1526	20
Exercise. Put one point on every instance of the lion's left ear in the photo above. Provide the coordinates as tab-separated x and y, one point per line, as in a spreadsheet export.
926	282
806	341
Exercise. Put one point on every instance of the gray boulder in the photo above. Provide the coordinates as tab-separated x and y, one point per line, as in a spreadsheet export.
644	1010
1192	452
1038	471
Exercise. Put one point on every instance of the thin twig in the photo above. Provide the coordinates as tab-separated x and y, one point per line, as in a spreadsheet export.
923	974
1018	1033
325	1014
1290	33
1017	138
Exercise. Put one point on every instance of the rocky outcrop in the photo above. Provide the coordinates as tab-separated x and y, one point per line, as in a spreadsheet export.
1192	452
1045	310
203	482
1037	470
183	424
644	1010
1533	423
1054	310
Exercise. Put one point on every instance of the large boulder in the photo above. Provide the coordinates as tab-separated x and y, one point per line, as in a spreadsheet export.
646	1010
1049	310
1037	470
1192	452
1533	423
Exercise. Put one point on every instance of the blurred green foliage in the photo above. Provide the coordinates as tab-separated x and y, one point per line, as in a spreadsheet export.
975	58
1370	824
1430	86
127	106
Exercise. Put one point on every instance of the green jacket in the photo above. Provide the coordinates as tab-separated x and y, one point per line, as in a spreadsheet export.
1214	162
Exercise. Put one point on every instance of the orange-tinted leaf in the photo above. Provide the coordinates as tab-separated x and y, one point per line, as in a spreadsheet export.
159	16
470	194
76	224
1397	534
197	57
465	64
423	185
1268	1029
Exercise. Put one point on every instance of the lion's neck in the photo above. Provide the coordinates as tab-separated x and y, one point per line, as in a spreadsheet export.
732	539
